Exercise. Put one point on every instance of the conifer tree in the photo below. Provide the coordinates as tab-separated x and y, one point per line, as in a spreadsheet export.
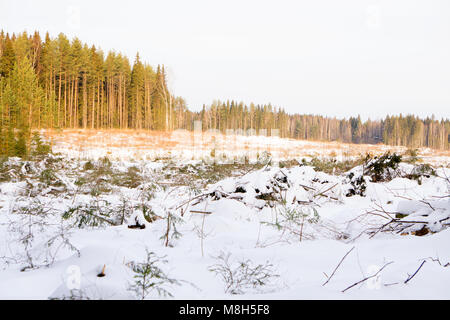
8	58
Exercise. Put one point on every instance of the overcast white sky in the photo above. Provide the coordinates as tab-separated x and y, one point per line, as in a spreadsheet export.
337	58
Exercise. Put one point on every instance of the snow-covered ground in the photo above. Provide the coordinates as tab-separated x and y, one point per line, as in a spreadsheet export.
182	145
63	222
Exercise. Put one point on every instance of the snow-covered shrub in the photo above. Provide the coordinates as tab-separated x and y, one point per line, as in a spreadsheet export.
89	165
358	185
96	178
98	213
103	176
331	165
375	169
293	219
272	187
411	156
48	177
49	182
149	277
201	174
272	192
11	170
382	168
171	233
100	188
143	212
243	276
421	171
40	235
288	163
415	217
132	178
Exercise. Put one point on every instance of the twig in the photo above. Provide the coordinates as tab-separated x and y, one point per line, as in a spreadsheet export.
396	221
423	201
100	218
367	278
306	187
190	200
201	212
410	277
443	197
438	261
329	278
390	284
322	193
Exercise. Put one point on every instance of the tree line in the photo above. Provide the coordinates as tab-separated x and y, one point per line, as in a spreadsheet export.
409	130
61	83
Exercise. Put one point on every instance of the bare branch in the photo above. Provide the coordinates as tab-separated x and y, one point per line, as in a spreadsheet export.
367	278
410	277
329	278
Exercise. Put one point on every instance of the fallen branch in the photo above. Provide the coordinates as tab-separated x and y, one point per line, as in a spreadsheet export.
390	284
190	200
322	193
306	187
442	197
396	221
367	278
338	266
422	201
410	277
438	261
201	212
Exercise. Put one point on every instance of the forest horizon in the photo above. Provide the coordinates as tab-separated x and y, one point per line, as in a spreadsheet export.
65	83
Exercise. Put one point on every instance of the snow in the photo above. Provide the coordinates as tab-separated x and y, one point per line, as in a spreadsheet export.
126	145
241	223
